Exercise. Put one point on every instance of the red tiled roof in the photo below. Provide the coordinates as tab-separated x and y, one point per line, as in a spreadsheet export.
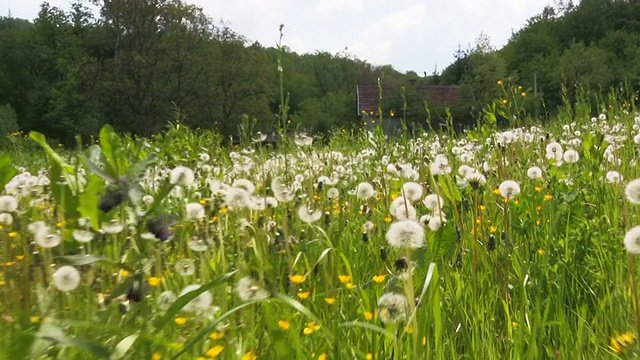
436	95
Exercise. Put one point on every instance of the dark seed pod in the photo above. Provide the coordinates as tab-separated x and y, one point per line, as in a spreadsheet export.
458	234
402	264
505	240
491	244
383	253
159	227
320	184
365	237
459	259
137	290
111	199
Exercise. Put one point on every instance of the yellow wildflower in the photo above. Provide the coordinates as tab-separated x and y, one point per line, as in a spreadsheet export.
216	335
284	324
249	356
322	356
350	286
541	251
215	351
181	320
13	234
330	300
344	278
548	197
154	281
297	279
302	295
156	356
379	278
368	315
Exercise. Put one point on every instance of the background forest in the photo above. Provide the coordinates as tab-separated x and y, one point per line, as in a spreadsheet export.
139	64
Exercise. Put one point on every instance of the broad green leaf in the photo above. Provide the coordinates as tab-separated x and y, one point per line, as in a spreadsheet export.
207	330
64	169
135	172
368	326
110	142
296	305
89	200
80	260
96	350
7	171
123	346
183	300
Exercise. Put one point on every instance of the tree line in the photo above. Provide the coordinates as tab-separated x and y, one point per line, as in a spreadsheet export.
140	64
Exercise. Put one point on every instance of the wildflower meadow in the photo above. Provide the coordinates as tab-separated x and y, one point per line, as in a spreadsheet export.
507	240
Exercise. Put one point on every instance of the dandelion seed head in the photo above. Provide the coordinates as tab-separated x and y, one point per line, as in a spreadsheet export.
433	202
406	233
66	278
194	211
632	191
249	289
392	308
614	177
509	189
200	303
365	191
181	175
534	172
8	203
412	191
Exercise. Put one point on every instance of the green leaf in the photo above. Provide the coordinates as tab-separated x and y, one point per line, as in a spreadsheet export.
138	169
7	171
79	260
89	200
87	345
368	326
110	143
183	300
123	346
204	332
296	305
63	169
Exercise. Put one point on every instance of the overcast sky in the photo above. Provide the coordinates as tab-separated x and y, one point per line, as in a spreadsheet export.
407	34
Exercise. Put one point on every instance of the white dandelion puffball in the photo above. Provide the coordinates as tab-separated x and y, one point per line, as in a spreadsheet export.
236	198
405	212
365	191
614	177
181	175
333	193
204	157
48	240
8	203
392	307
195	211
571	156
83	236
244	184
433	202
534	172
185	267
166	299
112	227
554	151
6	219
509	189
308	215
249	290
632	191
412	191
632	240
66	278
406	233
200	303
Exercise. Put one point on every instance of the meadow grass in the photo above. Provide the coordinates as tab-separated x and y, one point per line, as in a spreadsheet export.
363	248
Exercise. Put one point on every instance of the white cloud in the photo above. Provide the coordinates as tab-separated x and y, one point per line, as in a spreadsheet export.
296	43
330	7
376	41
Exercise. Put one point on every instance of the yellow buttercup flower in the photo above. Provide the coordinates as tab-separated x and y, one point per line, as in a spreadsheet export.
368	315
215	351
297	279
303	295
216	335
181	320
284	324
344	278
154	281
379	278
249	356
350	286
330	300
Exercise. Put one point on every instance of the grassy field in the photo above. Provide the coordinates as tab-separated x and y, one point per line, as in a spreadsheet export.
493	243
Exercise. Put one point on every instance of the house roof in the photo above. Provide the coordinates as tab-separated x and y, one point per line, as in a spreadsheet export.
368	96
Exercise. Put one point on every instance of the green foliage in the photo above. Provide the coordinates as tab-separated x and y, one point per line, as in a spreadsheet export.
8	125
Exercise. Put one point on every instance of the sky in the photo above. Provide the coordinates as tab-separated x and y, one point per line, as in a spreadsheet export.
408	34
